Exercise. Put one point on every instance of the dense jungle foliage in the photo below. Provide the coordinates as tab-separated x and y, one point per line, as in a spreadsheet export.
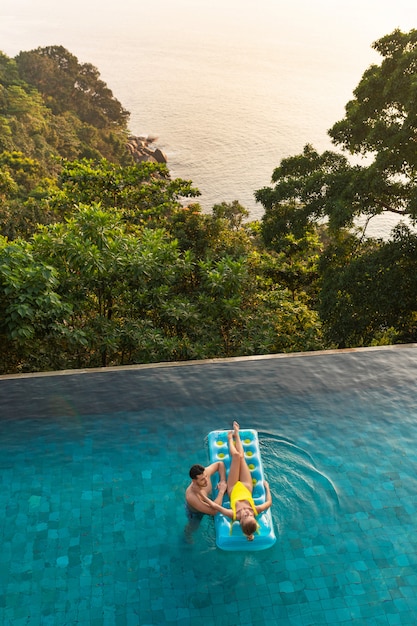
104	261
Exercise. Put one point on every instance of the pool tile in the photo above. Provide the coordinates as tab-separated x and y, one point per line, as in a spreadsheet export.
104	549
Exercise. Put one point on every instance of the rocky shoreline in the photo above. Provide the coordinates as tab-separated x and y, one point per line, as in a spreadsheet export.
142	149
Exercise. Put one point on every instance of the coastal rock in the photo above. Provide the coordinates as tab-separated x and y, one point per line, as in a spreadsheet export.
141	149
159	156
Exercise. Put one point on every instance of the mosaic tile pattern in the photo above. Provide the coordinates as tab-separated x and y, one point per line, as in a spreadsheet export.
93	528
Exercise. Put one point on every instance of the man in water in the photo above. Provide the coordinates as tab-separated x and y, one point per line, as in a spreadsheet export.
199	488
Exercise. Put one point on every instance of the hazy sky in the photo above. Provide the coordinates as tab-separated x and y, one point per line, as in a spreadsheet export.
25	24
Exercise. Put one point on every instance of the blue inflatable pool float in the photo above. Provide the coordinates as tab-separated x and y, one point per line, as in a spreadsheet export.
229	535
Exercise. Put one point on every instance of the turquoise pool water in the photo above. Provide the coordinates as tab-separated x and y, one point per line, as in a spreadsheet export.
92	525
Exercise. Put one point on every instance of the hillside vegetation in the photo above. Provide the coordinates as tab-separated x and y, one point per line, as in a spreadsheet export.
53	106
106	261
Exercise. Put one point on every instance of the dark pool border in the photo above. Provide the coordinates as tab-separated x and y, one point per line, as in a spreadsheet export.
202	383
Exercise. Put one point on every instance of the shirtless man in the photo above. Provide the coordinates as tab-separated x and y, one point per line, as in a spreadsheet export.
200	489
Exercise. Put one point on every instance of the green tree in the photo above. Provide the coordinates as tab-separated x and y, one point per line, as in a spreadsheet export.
21	188
88	253
67	84
294	265
110	294
51	105
212	235
30	307
122	288
24	170
233	212
247	312
380	125
368	294
144	192
309	188
225	289
357	301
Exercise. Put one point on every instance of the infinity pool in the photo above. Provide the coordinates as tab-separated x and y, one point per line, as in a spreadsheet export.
93	470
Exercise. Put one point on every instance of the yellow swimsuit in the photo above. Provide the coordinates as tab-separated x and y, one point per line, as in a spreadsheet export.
238	493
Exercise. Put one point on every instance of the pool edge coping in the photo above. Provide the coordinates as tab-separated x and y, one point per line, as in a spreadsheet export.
165	364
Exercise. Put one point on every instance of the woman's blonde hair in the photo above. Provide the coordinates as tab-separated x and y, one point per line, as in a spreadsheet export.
249	526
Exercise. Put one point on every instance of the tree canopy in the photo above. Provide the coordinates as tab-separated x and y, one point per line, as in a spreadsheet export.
380	125
94	291
365	294
53	106
67	85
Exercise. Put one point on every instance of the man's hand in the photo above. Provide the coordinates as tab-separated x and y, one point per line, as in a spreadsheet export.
206	500
222	486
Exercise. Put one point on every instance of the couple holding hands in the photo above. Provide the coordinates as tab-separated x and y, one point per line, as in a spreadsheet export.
238	486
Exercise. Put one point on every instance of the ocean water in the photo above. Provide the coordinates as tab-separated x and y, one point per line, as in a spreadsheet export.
93	469
230	87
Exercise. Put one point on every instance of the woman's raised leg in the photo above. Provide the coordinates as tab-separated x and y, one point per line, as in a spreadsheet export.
234	471
244	474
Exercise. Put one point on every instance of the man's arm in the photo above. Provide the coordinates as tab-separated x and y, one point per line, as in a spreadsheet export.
196	502
219	466
217	508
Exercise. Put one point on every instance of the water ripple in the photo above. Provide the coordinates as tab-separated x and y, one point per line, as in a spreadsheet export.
302	493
